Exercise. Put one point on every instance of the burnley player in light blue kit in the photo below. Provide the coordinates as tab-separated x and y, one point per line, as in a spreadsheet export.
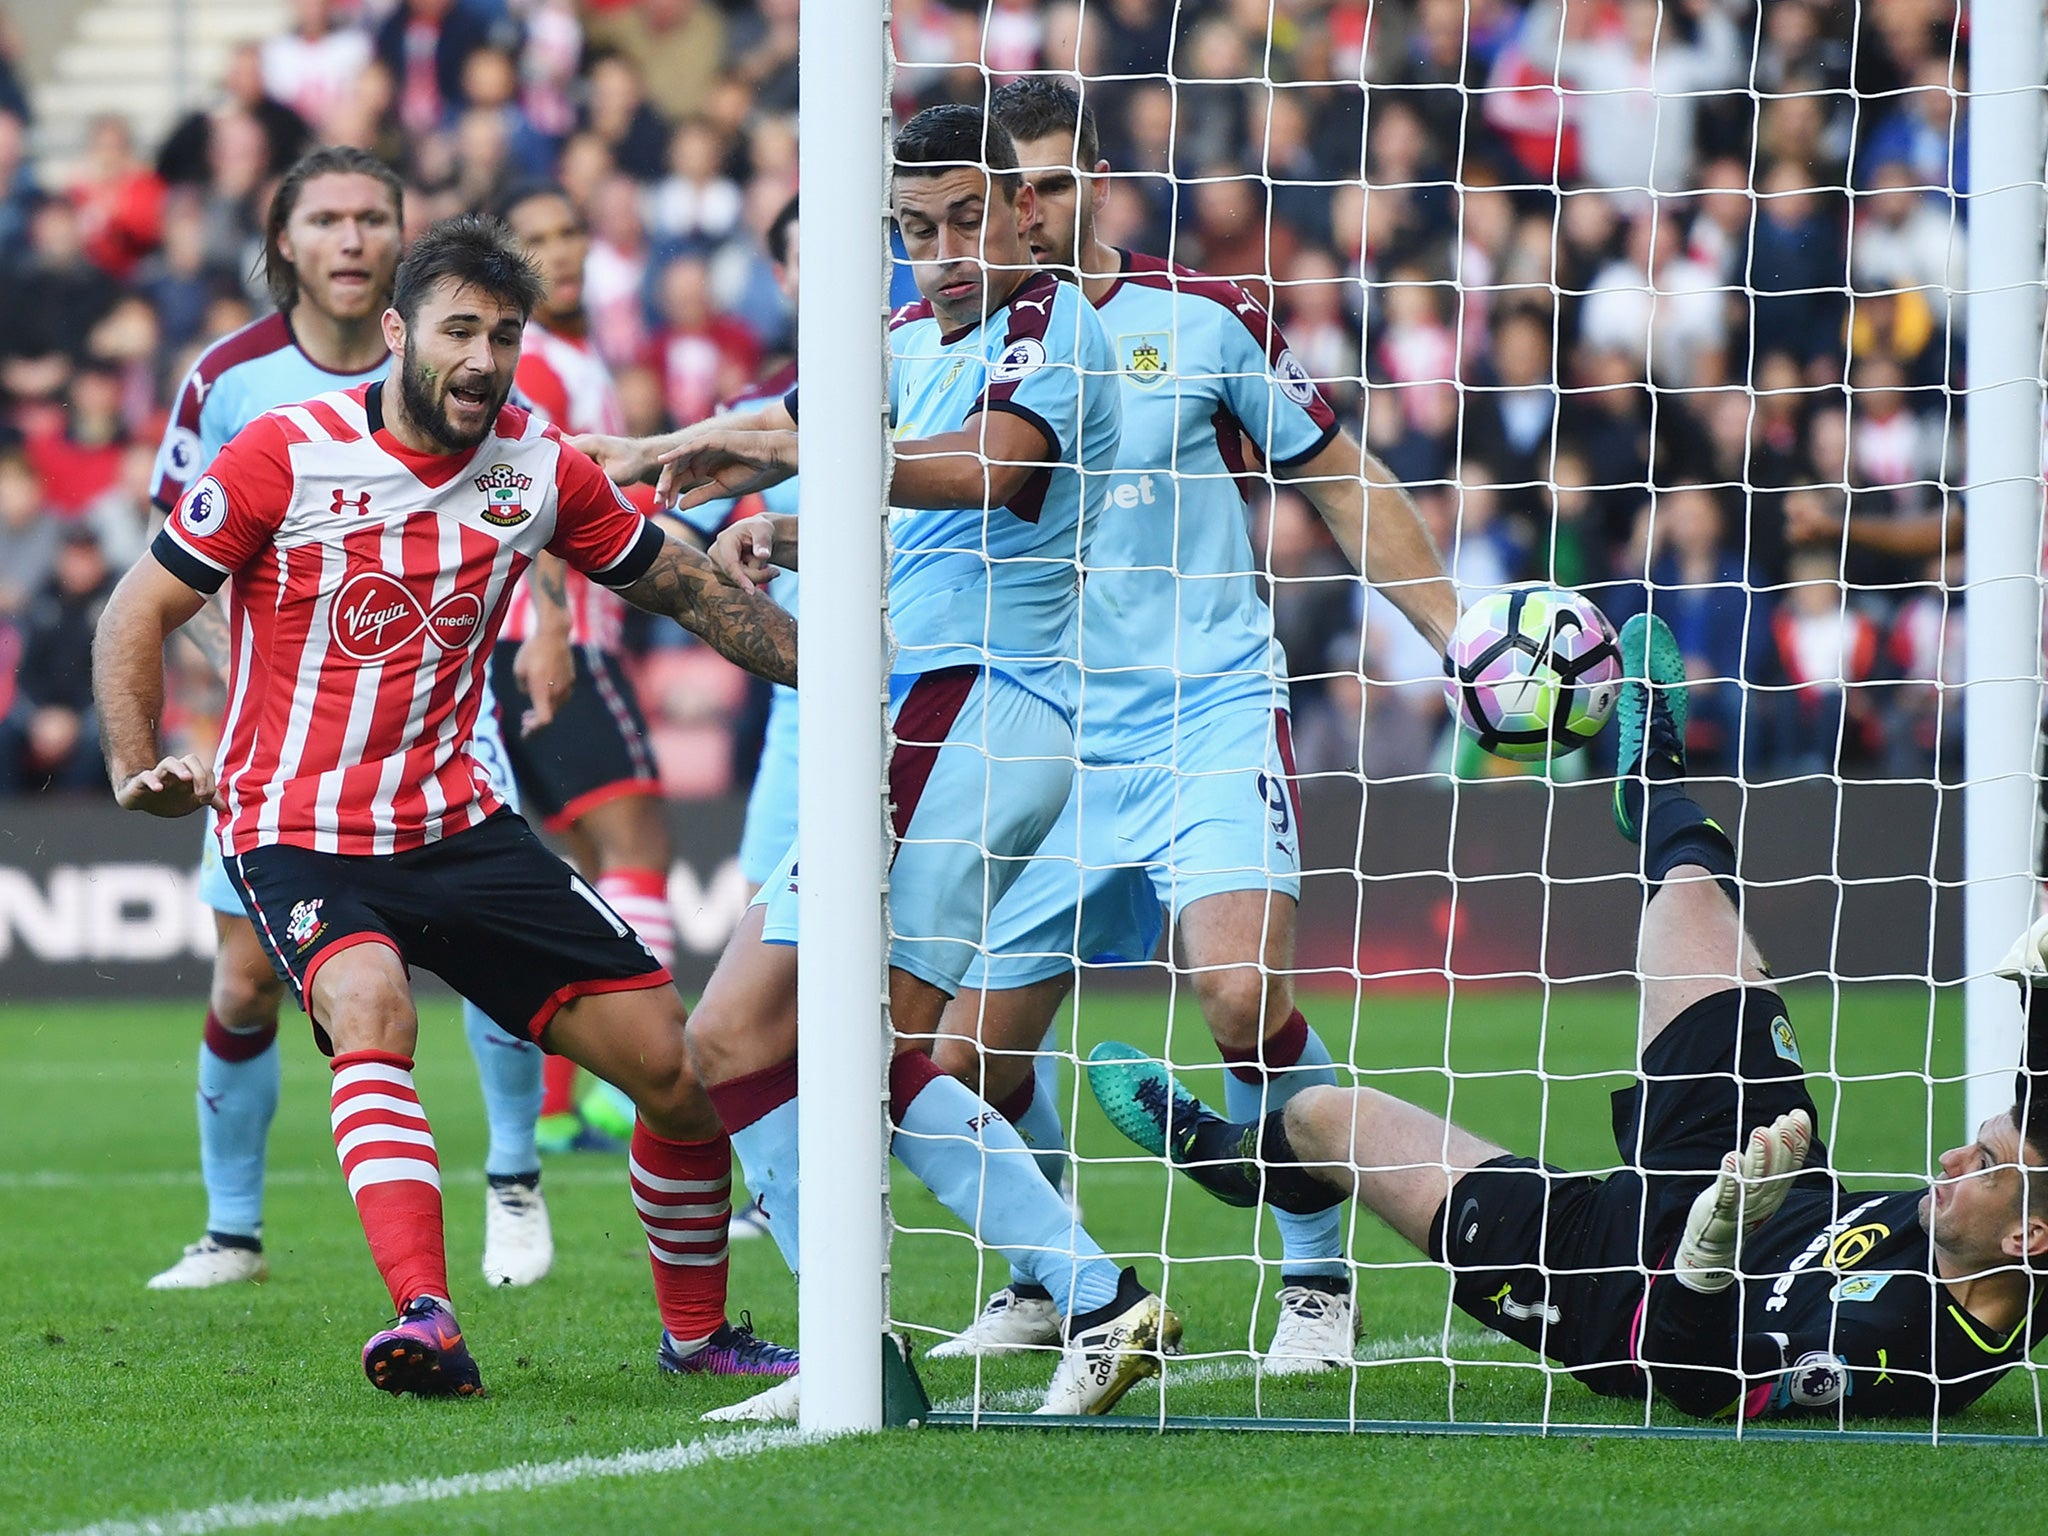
1006	421
1184	804
331	251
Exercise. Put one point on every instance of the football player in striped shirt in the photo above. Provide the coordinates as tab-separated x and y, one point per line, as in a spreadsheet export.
369	540
330	252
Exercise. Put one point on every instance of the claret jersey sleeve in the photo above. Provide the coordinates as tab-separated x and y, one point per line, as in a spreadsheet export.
1267	389
231	512
597	530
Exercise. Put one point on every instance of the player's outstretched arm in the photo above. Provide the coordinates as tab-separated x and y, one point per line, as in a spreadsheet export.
725	463
744	627
644	460
1376	525
146	609
984	464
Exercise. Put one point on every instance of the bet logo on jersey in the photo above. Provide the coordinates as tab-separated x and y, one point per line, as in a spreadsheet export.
376	615
504	488
205	507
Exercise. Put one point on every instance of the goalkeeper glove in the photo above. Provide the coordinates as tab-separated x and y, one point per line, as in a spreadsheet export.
1747	1192
2027	961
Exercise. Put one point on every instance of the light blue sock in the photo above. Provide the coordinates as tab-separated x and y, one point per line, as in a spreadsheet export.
1309	1245
767	1153
1040	1129
509	1072
975	1162
237	1102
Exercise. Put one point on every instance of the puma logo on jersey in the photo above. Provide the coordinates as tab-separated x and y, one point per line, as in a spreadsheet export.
1043	306
375	616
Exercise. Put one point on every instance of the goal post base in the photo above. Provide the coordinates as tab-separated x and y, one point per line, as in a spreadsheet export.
905	1403
944	1419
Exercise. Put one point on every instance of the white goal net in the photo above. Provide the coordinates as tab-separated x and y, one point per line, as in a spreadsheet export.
1724	312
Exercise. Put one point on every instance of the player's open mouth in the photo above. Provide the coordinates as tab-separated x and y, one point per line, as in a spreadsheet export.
468	398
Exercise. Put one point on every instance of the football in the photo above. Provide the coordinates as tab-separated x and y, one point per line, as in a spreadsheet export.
1532	672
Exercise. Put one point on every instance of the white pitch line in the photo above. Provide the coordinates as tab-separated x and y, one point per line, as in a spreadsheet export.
180	1178
1421	1348
525	1477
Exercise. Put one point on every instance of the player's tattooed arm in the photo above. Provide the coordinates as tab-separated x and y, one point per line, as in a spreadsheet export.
145	610
744	627
545	663
207	632
1382	534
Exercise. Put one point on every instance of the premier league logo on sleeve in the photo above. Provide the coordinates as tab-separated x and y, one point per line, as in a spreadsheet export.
205	508
504	491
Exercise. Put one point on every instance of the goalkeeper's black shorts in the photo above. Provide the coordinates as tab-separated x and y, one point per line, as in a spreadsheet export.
1557	1260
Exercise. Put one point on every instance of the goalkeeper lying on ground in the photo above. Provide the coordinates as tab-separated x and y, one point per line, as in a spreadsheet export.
1724	1266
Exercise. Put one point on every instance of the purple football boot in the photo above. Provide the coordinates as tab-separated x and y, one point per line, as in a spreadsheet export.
732	1351
422	1353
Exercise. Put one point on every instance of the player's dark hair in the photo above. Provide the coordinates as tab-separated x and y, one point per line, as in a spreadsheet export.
526	191
279	275
1040	106
778	233
477	251
946	137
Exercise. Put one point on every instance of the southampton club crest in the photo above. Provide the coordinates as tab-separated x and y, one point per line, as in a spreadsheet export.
306	923
504	490
1147	357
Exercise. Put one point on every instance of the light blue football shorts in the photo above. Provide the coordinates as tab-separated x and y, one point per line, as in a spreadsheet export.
771	804
980	771
487	746
1138	841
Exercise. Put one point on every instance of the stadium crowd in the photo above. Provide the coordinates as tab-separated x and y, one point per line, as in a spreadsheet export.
1646	298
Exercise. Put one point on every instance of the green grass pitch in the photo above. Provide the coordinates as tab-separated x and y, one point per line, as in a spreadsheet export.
117	1404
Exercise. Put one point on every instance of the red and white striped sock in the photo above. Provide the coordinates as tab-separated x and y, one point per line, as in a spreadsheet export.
394	1177
557	1085
640	896
683	1191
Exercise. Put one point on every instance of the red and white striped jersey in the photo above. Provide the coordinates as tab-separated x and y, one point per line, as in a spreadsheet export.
570	386
367	583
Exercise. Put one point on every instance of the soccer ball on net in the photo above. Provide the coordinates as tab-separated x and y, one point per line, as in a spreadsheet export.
1532	672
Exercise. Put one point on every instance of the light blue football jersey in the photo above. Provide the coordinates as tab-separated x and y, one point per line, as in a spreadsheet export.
996	586
1173	624
238	378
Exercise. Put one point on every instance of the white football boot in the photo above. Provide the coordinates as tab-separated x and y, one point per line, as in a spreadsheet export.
1008	1325
778	1405
1317	1332
519	1243
207	1263
1105	1359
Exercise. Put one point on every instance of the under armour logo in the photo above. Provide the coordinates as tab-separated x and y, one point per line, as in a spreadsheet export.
343	502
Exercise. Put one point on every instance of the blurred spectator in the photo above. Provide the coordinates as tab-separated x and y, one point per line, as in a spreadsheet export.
548	64
1315	310
119	516
54	300
1905	241
617	111
490	87
1924	132
696	203
49	738
187	156
1511	409
424	43
313	68
1924	737
28	534
120	200
1796	270
1826	647
1660	307
616	273
83	459
705	357
181	278
675	46
1642	79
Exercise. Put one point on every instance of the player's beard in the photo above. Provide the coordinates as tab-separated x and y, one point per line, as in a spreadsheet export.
429	412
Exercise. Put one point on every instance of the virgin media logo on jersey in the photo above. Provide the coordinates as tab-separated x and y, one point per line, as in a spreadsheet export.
375	617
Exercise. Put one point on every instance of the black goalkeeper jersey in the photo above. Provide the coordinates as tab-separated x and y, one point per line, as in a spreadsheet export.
1837	1315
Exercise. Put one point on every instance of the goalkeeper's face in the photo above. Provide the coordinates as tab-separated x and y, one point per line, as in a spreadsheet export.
1978	1213
1062	229
964	236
